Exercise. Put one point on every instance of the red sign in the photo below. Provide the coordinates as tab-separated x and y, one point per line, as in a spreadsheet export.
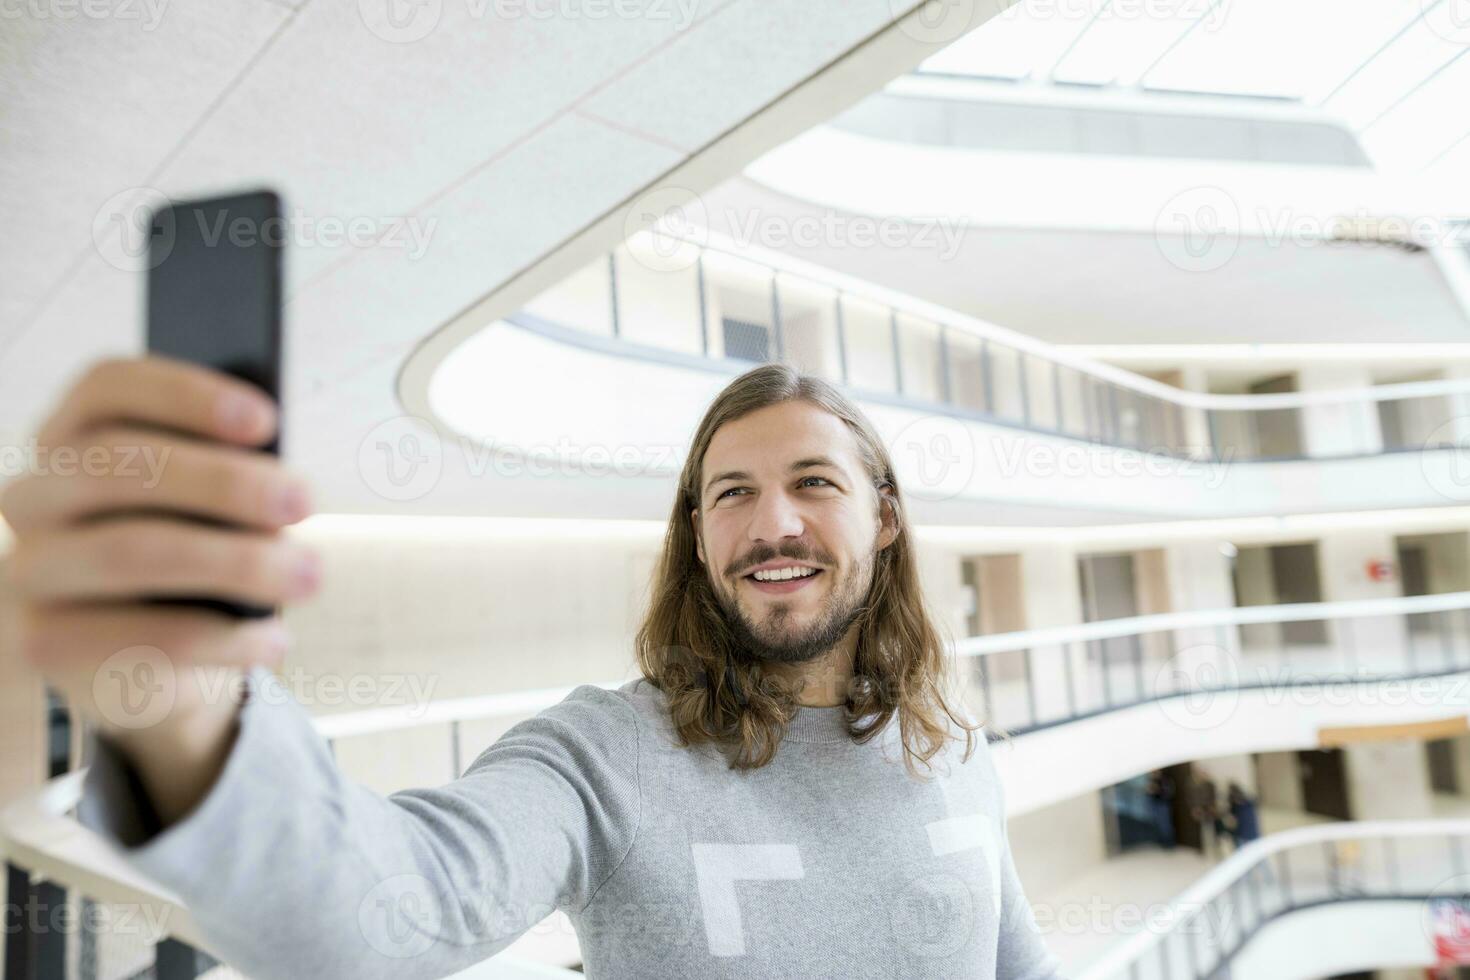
1380	570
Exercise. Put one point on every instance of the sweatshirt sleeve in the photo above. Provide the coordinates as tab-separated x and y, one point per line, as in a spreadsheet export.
1022	953
292	870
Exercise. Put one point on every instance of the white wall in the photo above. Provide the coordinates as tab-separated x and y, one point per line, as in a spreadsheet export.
1388	780
1331	430
1343	566
1052	597
1058	763
1280	780
1058	842
1339	938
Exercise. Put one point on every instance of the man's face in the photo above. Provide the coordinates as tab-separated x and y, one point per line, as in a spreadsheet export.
784	486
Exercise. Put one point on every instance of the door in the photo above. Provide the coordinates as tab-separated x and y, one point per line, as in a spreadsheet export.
1294	570
1441	757
1324	783
997	606
1277	430
1187	832
1108	592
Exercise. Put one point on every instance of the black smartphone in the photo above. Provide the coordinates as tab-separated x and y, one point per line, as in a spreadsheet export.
214	298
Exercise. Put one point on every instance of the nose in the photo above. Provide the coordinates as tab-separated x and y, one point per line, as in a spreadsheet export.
775	516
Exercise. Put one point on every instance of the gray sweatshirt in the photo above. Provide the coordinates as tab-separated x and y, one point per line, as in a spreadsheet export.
831	861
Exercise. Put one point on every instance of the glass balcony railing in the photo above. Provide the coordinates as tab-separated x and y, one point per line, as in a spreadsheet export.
76	911
58	873
699	304
1198	663
1207	929
1195	662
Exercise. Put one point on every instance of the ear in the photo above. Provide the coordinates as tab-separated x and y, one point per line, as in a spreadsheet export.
698	538
887	517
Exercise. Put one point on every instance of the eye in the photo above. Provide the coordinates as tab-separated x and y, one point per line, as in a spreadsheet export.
803	480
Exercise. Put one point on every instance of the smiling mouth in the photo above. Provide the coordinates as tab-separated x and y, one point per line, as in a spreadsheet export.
783	585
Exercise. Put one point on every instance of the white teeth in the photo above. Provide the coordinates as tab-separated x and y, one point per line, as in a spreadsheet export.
782	574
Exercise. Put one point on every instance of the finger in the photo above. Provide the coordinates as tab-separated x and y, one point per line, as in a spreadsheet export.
157	557
167	393
124	469
61	637
130	667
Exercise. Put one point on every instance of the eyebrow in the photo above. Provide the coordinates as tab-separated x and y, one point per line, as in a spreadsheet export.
809	463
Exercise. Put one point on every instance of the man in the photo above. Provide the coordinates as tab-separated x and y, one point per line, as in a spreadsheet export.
782	794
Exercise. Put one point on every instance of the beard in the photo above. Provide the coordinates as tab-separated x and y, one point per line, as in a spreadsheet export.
780	638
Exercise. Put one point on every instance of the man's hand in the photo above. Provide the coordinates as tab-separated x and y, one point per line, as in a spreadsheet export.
136	453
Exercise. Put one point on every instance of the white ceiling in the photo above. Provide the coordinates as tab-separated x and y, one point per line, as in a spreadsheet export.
515	144
1073	250
1396	71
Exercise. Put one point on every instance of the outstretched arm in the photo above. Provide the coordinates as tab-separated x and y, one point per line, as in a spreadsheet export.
292	870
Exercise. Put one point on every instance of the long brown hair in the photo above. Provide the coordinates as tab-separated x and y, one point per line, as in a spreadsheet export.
687	650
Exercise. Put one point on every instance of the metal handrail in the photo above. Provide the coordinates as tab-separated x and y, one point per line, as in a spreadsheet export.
1121	959
785	265
1289	612
1093	400
521	703
40	839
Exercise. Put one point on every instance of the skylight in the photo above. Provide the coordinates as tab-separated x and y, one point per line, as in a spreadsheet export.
1396	71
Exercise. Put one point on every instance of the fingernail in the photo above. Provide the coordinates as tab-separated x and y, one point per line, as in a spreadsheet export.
291	503
278	637
306	575
241	415
274	640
